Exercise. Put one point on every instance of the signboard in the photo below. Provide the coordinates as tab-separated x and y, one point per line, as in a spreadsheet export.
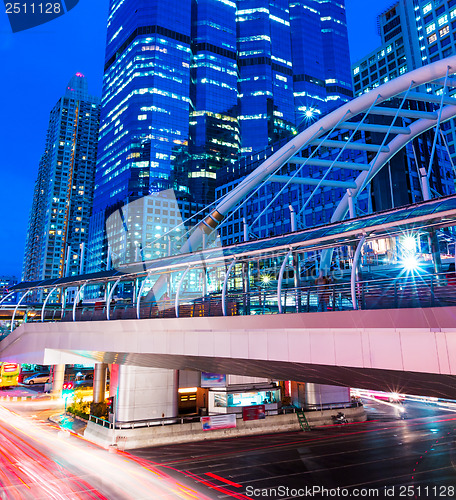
253	412
218	422
213	380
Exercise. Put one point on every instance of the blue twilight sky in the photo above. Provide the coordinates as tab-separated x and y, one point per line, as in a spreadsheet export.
36	66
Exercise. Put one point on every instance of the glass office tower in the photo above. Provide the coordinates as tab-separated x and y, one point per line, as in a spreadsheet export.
145	108
338	81
192	85
62	200
214	129
265	73
321	75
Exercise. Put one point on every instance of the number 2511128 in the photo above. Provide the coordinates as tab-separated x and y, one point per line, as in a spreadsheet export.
33	8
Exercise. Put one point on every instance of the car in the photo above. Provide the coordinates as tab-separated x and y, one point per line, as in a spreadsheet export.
83	376
37	378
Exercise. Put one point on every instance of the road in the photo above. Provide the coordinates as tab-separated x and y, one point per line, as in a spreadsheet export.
385	457
411	458
39	461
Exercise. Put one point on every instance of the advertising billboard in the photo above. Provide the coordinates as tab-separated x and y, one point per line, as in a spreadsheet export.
213	379
218	422
256	412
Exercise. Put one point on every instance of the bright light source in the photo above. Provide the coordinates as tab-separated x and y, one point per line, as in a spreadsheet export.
410	263
187	390
265	279
409	243
309	113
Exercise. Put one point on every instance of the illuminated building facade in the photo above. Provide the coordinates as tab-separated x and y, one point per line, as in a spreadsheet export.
321	76
294	66
413	33
189	86
214	130
6	282
63	195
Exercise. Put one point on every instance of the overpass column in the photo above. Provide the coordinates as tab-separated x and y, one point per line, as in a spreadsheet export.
58	376
99	382
143	393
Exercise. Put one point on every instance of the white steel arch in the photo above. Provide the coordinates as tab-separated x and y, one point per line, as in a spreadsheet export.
368	103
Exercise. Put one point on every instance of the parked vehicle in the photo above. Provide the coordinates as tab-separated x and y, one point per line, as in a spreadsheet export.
9	373
27	370
37	378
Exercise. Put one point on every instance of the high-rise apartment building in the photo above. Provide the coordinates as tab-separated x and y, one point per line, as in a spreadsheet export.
63	195
413	33
190	86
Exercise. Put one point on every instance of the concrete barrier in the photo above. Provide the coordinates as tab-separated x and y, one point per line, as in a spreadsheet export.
159	435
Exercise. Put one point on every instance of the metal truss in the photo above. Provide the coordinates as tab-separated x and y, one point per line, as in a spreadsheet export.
364	114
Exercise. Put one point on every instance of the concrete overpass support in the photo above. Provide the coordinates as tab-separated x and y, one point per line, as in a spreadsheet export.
321	394
309	395
143	393
99	382
58	376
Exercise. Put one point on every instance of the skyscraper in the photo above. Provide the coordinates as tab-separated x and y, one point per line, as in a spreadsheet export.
190	86
214	128
144	127
265	73
413	33
321	76
62	200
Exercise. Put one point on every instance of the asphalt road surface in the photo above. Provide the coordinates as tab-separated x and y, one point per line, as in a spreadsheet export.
385	457
38	461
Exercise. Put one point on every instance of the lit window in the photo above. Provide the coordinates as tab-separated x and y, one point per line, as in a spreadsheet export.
142	117
356	70
444	31
430	28
432	38
427	8
443	19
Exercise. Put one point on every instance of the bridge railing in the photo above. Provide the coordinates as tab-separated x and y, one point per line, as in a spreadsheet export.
409	291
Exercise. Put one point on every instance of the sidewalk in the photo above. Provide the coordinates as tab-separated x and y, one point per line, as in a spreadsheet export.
133	436
70	423
20	393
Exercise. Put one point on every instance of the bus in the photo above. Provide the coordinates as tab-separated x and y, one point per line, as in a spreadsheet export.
9	374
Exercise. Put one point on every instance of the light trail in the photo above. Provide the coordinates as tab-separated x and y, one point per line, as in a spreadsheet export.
35	463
